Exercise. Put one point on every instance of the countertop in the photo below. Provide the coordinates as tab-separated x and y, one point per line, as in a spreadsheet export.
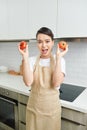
15	83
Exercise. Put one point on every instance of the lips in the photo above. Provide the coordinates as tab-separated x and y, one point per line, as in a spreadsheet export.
44	51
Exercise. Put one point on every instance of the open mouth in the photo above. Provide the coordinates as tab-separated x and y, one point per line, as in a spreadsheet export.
44	51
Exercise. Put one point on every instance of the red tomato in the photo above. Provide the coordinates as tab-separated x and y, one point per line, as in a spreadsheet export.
62	45
23	45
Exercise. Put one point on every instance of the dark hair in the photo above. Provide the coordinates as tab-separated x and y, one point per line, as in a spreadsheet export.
45	30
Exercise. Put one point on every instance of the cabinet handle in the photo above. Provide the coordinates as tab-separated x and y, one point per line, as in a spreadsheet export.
23	103
6	100
23	122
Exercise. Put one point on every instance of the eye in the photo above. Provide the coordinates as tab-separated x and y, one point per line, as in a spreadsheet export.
47	41
39	42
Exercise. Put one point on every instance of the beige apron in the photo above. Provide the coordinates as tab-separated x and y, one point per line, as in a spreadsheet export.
43	108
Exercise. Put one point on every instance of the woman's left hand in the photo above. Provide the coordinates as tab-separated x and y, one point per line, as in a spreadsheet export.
61	53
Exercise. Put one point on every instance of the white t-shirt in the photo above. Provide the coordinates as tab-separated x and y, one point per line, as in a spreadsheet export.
46	62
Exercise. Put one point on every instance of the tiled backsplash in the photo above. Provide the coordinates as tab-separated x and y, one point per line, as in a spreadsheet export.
76	59
76	63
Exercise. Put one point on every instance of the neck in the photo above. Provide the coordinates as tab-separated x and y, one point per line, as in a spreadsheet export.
46	57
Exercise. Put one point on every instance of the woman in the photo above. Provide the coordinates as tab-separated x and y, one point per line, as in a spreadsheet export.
44	74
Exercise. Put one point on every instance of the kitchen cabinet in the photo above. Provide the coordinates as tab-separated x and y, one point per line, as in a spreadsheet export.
72	18
17	19
42	13
3	19
22	126
22	111
22	19
68	125
73	120
14	23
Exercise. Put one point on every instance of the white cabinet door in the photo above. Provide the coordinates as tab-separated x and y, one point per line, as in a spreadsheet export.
72	18
17	19
13	19
20	19
42	13
27	16
3	19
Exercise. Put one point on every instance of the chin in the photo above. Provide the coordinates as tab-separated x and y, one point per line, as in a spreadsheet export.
47	55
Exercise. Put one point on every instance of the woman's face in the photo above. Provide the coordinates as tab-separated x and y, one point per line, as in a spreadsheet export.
45	44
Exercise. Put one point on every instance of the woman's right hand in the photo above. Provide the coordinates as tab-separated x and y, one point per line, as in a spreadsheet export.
25	52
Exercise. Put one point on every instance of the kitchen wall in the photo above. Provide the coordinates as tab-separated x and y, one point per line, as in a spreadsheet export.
10	56
76	59
76	63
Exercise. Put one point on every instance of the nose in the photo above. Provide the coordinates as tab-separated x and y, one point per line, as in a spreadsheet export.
43	44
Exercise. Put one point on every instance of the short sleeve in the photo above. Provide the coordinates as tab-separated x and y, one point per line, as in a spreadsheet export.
63	69
63	66
32	62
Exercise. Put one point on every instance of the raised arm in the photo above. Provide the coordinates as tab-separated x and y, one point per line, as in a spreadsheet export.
58	75
26	71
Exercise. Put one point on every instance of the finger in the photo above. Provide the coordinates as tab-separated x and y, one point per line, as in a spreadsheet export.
21	51
65	51
58	50
27	47
66	48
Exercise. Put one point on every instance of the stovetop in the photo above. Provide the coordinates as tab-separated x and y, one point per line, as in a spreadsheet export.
70	92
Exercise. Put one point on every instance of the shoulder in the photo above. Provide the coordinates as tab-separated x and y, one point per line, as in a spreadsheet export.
32	58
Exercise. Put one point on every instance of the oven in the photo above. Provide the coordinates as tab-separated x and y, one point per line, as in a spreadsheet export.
8	110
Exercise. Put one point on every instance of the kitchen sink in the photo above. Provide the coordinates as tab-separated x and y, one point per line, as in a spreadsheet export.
70	92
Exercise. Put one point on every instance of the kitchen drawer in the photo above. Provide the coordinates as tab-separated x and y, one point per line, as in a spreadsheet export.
68	125
75	116
8	93
22	126
22	112
23	98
